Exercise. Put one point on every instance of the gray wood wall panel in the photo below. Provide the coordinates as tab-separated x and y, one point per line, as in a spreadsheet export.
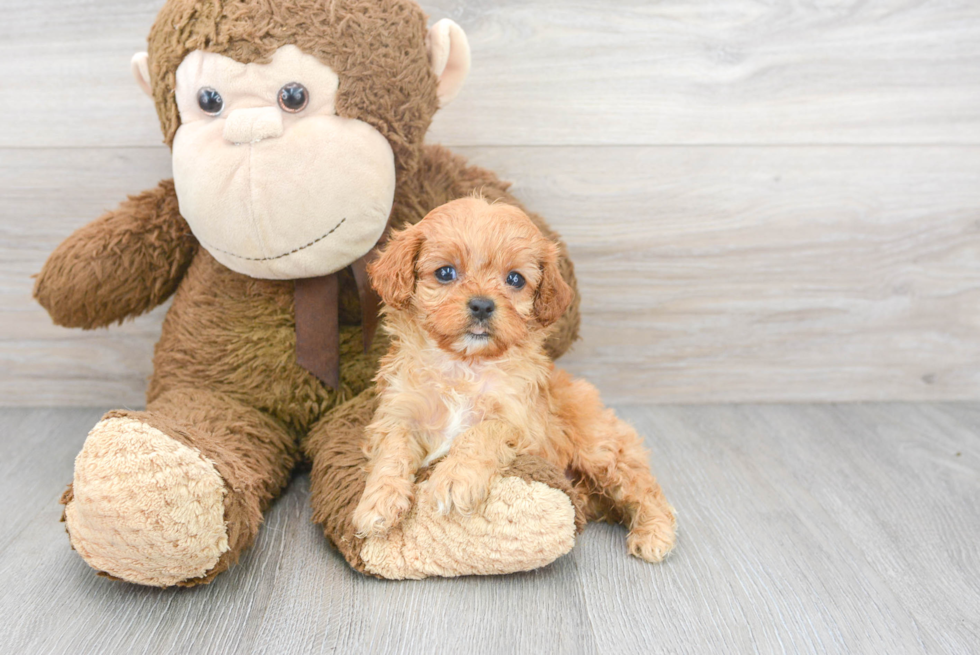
765	200
708	274
553	72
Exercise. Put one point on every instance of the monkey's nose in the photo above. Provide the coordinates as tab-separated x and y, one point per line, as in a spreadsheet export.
481	308
253	125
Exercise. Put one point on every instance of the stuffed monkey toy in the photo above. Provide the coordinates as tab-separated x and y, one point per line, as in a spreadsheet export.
296	129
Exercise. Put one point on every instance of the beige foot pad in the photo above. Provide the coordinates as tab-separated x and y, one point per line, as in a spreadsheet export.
145	507
522	526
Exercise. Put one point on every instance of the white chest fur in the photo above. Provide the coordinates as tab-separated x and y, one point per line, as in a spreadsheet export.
463	392
459	416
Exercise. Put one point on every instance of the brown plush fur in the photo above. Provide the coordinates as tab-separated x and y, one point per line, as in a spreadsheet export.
122	265
252	451
480	387
379	45
225	375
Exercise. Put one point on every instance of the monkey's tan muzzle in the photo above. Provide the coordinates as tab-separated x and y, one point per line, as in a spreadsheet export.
253	125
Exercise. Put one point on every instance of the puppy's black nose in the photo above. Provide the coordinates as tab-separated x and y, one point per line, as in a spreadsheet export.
481	308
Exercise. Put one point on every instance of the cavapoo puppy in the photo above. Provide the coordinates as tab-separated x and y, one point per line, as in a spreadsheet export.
470	293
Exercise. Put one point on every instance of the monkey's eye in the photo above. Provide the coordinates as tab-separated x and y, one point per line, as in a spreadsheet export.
293	97
210	101
516	280
446	274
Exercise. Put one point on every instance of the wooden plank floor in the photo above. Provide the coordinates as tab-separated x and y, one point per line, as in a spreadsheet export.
805	529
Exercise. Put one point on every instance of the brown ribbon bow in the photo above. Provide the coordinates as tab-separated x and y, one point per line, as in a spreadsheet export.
317	301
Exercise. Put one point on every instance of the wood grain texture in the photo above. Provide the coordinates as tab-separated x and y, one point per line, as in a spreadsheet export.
707	274
554	72
804	529
44	196
829	252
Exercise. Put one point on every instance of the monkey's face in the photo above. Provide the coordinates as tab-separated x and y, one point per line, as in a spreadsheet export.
272	182
287	139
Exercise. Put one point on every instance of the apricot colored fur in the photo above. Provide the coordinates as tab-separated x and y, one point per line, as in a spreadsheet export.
484	391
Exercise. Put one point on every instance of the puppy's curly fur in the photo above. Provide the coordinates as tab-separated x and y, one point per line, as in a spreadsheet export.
470	294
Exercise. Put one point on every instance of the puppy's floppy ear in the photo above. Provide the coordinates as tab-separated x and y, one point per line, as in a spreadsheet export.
554	295
393	272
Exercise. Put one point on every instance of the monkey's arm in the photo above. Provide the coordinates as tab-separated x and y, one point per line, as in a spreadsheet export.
446	176
121	265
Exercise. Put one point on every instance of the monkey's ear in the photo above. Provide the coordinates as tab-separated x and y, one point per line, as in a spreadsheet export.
393	272
449	56
140	65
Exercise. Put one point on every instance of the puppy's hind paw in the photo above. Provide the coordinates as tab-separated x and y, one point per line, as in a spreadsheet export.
652	544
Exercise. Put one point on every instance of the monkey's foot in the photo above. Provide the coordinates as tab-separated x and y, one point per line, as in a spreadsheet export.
144	507
522	525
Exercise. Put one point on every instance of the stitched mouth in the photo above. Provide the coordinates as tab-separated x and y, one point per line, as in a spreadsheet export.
285	254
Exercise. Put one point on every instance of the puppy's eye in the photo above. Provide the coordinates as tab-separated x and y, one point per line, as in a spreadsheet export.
516	280
293	97
446	274
210	101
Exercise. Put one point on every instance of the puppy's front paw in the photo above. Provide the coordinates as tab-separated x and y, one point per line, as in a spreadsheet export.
454	487
654	540
380	510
